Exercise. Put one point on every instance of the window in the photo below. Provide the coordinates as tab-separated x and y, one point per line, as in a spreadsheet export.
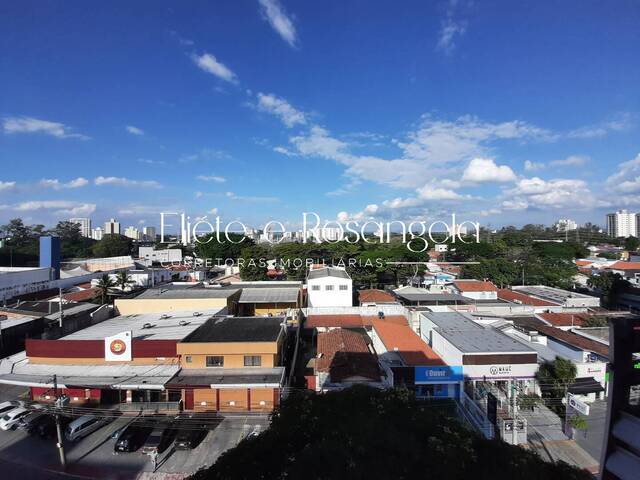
344	287
252	360
328	287
187	359
215	361
315	287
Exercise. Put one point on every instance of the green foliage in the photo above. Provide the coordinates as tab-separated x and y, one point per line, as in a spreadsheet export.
631	243
528	401
105	287
555	378
595	322
578	422
364	433
123	280
210	247
254	267
609	285
113	245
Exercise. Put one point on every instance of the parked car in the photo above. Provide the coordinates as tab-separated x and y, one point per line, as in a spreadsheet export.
47	427
11	418
83	426
190	437
30	421
132	437
6	406
160	438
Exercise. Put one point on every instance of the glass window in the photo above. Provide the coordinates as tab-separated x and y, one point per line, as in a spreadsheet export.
344	287
252	360
328	287
188	358
315	287
215	361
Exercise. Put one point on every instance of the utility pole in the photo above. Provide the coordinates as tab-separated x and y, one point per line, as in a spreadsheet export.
63	460
515	422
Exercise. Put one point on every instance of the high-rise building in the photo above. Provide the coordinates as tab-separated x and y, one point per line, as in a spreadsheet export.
149	234
112	227
622	224
133	233
565	225
97	233
84	224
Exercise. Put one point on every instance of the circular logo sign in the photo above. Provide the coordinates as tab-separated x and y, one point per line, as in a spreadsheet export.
493	370
118	347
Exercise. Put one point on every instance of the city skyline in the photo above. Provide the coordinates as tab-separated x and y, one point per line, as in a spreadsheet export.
261	110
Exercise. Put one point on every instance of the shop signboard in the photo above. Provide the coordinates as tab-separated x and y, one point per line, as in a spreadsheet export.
438	374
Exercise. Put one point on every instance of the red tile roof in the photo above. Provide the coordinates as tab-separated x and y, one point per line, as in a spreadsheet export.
574	339
511	296
349	320
583	263
344	354
376	296
563	319
406	343
475	286
82	295
624	266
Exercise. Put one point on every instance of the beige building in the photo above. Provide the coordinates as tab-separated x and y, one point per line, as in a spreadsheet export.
167	299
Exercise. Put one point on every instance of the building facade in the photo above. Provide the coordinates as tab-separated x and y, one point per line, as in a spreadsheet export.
329	287
84	224
622	224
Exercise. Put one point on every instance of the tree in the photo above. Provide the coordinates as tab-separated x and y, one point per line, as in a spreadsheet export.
105	287
555	378
67	231
594	321
17	231
364	433
609	285
631	244
254	266
123	279
113	245
208	247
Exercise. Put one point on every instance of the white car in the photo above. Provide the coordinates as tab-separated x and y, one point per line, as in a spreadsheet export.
7	406
11	418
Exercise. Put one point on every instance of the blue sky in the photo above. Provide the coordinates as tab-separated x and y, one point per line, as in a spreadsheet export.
503	112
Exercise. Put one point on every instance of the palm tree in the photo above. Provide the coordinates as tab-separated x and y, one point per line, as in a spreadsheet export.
105	286
123	279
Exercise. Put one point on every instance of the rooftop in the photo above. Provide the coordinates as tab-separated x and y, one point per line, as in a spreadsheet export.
238	329
470	337
147	326
426	297
475	286
574	340
624	266
550	294
229	376
345	354
406	343
376	296
563	319
519	297
174	293
269	295
350	320
327	272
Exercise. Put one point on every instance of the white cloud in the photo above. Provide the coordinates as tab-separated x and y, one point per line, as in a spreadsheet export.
627	179
242	198
571	161
134	130
148	161
14	125
282	109
555	193
210	64
516	204
4	186
205	154
58	185
213	211
284	151
485	170
619	123
451	28
125	182
61	207
211	178
428	192
273	12
530	166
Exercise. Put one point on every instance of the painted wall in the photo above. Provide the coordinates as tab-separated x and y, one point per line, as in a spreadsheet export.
133	306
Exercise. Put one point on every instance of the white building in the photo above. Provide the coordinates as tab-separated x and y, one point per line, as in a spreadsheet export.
84	224
475	289
329	287
149	234
169	255
97	233
622	224
565	225
326	234
133	233
112	227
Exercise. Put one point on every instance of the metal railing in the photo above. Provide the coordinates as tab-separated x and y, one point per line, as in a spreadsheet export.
150	407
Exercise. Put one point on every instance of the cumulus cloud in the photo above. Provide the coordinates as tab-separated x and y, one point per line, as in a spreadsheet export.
452	27
486	170
556	193
211	178
134	130
530	166
60	207
210	64
571	161
275	14
14	125
619	123
282	109
125	182
5	186
627	179
58	185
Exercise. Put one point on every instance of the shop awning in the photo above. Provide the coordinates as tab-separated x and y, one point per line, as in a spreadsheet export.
585	385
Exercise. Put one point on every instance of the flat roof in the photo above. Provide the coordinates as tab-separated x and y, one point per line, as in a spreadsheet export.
433	297
14	321
174	325
229	376
238	329
269	295
186	293
327	272
471	337
551	294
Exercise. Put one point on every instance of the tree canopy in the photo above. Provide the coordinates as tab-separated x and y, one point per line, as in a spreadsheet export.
364	433
113	245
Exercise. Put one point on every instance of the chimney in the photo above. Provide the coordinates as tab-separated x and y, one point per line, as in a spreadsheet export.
50	255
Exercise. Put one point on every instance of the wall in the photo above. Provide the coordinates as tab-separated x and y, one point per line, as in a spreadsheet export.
330	298
233	352
132	306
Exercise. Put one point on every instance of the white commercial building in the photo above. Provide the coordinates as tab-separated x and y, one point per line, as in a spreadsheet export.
329	287
97	233
149	234
133	233
112	227
622	224
169	255
565	225
84	224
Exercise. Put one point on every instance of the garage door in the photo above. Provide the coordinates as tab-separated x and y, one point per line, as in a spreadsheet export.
233	399
204	400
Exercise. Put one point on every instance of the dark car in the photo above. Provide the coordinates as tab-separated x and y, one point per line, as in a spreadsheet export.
132	437
161	437
30	422
190	437
46	428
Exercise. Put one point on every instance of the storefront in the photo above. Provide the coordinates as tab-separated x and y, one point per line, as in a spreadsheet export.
438	381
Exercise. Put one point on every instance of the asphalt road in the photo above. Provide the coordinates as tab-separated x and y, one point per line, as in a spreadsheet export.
591	439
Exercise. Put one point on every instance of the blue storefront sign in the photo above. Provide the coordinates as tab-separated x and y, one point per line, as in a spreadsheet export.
438	374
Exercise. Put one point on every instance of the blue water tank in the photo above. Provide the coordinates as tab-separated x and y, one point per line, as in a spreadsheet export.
50	254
